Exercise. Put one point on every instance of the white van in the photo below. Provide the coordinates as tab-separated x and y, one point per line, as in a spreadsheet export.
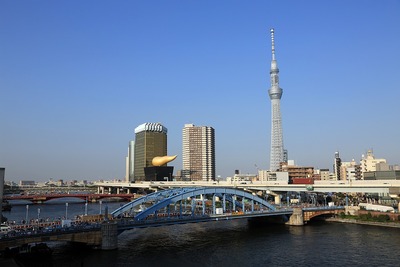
5	228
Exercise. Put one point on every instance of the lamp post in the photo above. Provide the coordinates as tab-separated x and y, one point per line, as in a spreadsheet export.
38	215
86	207
100	206
26	216
66	210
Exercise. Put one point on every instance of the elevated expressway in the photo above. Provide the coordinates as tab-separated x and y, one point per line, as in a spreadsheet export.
381	187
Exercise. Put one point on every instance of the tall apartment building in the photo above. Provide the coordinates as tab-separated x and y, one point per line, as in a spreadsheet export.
198	153
130	162
350	171
150	142
336	166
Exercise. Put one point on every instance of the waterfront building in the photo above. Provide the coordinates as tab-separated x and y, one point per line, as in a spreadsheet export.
150	142
275	93
198	153
383	166
242	178
350	171
24	183
324	174
382	175
127	168
268	176
2	175
299	174
368	163
130	162
336	166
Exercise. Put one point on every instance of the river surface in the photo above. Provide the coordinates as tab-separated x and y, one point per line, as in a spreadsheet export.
227	243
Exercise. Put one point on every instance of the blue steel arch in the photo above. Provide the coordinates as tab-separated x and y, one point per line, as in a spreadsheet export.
164	198
153	197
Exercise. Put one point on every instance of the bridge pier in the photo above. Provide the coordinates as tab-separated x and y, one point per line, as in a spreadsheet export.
109	234
297	218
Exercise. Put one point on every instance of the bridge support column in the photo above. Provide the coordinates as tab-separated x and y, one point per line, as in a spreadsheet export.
109	234
224	202
297	217
213	203
277	199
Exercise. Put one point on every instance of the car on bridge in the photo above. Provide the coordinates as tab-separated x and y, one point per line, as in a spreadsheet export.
4	228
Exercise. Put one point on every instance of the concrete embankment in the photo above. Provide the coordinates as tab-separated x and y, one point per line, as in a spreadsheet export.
354	221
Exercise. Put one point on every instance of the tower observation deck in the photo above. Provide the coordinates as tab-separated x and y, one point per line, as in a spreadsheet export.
275	94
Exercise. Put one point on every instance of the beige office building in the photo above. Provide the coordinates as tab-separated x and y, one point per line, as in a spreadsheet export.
368	163
198	153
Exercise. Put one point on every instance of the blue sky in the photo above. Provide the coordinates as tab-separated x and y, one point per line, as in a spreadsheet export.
77	77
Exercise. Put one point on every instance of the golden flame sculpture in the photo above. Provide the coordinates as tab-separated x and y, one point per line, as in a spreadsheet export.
159	161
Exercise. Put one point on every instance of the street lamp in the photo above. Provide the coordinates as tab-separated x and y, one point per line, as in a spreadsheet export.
26	216
86	207
38	215
100	206
66	210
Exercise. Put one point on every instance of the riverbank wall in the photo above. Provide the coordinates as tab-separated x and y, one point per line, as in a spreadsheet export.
354	221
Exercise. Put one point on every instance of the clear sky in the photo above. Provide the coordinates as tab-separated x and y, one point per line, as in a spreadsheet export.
77	77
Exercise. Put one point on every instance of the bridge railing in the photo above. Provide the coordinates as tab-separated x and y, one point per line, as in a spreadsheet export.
318	208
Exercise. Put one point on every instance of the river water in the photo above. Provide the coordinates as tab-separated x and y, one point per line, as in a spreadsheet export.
228	243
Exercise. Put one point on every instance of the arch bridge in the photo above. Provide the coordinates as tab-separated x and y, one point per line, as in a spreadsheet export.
311	213
194	202
174	206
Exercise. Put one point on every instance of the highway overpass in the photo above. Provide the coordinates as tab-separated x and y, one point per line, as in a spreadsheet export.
381	187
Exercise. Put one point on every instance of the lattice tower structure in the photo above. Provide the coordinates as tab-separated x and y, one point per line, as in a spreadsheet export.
275	94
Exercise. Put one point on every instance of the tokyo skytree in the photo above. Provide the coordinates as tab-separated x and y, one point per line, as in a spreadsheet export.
275	94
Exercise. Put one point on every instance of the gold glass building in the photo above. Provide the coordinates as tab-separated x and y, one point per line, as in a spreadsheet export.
150	142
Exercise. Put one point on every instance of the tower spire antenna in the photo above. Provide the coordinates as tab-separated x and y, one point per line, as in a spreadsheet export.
275	94
273	43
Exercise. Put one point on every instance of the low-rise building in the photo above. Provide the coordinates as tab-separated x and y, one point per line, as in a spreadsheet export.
299	174
27	183
268	176
382	175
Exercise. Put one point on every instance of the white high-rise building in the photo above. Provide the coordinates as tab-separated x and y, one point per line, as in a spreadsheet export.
275	94
198	153
130	162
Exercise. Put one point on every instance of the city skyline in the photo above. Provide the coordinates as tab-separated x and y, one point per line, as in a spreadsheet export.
78	77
